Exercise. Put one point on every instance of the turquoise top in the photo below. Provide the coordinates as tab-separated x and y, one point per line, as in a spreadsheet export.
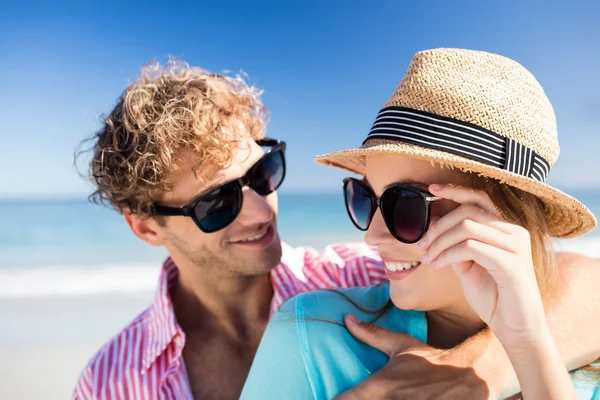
307	353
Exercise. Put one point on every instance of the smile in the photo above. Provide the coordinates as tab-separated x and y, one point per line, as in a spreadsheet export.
401	266
255	237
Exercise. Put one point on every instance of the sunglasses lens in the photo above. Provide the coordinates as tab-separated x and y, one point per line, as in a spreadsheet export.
406	212
268	174
218	208
358	203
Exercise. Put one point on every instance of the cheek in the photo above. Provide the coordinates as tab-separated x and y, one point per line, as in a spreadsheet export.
183	227
187	234
426	291
446	283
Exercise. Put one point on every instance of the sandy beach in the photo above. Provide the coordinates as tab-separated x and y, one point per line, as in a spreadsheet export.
46	341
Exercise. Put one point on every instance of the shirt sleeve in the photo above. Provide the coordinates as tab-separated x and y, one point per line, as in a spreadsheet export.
587	385
83	388
278	371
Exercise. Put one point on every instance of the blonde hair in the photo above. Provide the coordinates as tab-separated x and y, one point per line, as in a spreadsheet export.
168	108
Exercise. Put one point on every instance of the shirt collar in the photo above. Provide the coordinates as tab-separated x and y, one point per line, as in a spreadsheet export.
162	326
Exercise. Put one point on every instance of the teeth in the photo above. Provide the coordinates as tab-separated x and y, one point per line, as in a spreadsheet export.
399	266
255	238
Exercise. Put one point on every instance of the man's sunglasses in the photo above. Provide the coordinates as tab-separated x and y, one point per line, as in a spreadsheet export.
405	210
218	208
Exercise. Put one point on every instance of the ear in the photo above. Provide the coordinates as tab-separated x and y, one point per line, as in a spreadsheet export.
147	229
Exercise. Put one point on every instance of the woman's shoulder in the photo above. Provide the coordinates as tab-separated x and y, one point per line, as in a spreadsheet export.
323	311
311	327
332	304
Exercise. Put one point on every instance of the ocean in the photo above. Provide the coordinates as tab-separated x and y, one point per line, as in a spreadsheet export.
71	247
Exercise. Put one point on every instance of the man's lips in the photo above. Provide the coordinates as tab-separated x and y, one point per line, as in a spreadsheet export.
264	239
244	239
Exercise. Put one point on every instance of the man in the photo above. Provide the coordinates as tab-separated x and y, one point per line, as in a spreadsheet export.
182	157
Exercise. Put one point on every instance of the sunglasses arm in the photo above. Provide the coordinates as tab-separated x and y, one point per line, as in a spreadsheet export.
164	211
268	142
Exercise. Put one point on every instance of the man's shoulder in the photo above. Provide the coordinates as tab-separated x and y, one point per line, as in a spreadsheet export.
119	359
339	265
337	253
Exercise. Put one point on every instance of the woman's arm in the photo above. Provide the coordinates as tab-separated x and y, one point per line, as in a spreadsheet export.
573	309
540	369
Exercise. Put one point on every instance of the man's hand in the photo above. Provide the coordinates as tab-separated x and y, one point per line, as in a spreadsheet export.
416	370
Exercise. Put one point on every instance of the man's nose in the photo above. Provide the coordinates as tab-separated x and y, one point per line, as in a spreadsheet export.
255	208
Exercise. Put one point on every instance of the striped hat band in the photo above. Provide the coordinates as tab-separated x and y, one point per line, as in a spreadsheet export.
460	138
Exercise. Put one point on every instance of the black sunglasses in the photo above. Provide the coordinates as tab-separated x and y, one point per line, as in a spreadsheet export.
405	210
218	208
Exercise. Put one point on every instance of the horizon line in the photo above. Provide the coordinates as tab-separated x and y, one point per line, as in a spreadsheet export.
84	196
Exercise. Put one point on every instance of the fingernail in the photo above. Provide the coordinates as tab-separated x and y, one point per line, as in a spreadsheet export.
353	319
435	264
422	243
425	258
435	187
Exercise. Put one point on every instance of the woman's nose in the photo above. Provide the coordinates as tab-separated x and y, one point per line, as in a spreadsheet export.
378	233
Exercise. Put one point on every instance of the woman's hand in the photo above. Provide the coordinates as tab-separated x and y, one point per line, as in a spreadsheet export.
493	261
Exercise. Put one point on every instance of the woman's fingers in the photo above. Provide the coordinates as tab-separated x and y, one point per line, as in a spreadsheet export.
465	230
491	258
455	217
464	195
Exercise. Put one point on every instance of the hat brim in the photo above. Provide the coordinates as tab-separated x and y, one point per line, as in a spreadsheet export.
567	217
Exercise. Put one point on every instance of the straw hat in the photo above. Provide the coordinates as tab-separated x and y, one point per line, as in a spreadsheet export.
478	112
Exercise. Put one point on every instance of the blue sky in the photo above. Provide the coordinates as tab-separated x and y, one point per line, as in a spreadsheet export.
326	67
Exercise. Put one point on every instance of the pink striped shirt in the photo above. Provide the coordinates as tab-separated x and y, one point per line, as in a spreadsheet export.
144	360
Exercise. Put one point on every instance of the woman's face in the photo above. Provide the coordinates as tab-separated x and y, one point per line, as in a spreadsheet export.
420	287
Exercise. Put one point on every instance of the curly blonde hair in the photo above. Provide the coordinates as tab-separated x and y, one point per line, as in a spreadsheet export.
168	108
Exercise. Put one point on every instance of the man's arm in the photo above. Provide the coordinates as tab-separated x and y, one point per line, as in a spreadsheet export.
573	310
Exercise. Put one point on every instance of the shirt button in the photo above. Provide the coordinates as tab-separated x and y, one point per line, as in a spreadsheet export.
178	341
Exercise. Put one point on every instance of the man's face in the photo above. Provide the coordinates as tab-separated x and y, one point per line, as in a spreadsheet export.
248	246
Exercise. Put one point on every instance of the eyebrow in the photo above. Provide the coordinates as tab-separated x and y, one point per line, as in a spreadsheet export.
218	184
402	182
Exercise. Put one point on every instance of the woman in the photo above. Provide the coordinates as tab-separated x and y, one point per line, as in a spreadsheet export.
454	197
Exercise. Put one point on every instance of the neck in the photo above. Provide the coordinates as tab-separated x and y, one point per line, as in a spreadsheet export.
229	304
450	326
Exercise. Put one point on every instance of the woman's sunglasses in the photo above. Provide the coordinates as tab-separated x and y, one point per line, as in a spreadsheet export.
405	210
218	208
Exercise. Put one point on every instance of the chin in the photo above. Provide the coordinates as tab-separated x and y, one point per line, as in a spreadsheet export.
273	254
407	299
265	261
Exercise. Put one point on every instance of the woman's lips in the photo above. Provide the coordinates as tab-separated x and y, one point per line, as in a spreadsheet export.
399	270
